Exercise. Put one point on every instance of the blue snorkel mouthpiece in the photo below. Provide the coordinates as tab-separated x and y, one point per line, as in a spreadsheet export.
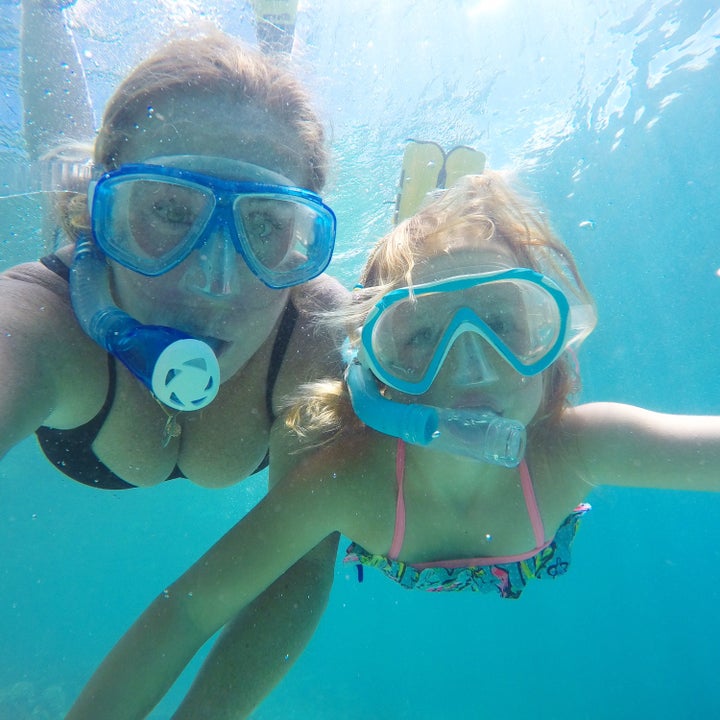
181	371
479	433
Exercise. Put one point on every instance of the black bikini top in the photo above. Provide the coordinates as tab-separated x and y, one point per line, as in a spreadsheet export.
71	450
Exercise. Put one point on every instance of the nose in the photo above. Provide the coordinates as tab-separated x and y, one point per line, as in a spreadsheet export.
470	363
214	266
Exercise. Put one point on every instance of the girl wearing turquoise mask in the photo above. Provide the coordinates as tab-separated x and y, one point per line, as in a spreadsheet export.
468	318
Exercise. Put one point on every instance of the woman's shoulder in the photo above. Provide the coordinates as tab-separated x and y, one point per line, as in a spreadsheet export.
50	274
314	349
35	293
315	303
35	304
45	352
323	294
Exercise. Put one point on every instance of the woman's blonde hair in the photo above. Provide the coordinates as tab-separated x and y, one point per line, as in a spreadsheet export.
210	64
479	210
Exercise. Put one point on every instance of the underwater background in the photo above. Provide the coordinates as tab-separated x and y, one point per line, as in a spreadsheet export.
610	111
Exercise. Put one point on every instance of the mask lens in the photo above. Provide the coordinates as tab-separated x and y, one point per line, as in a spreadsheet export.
149	224
287	240
407	335
522	318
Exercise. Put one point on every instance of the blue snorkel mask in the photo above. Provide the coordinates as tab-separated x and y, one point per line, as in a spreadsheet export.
150	217
524	316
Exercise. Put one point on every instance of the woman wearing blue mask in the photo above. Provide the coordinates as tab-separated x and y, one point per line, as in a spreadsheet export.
159	341
466	468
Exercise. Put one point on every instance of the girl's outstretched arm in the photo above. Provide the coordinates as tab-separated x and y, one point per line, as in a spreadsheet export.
284	526
625	445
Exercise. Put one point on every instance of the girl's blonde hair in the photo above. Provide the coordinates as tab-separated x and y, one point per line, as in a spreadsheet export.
478	211
210	64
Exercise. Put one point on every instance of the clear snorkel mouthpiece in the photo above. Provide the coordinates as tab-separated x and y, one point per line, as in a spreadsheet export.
476	433
181	371
479	434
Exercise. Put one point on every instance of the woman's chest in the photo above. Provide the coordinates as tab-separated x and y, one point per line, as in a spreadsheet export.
144	442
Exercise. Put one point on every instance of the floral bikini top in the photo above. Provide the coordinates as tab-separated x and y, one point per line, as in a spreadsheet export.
506	575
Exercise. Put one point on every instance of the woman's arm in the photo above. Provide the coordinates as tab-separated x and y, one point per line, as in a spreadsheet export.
626	445
291	520
50	371
56	101
262	642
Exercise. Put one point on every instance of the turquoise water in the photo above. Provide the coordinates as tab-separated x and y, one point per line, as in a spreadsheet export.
612	114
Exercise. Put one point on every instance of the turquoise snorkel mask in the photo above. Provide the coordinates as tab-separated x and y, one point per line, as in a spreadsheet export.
521	314
150	217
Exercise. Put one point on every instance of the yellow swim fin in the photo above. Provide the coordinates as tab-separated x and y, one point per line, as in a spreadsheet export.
427	167
422	164
462	160
275	24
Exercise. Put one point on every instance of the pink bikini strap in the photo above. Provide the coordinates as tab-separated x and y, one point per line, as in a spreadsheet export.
399	536
528	493
532	506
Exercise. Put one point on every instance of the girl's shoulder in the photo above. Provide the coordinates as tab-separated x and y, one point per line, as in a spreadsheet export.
618	444
557	465
354	461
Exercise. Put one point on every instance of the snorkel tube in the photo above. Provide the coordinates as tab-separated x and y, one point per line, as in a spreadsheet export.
479	433
181	371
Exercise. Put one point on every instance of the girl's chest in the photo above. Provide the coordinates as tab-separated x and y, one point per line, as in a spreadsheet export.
507	518
440	520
